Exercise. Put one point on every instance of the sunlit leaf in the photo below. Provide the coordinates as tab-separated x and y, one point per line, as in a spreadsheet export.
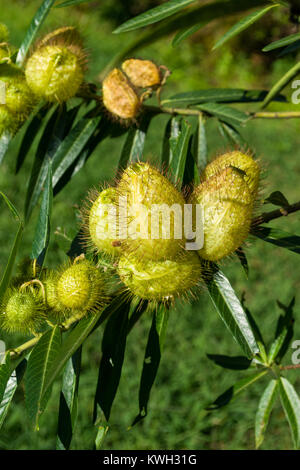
263	413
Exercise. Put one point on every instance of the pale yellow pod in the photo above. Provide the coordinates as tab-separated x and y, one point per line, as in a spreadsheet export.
119	97
153	222
102	226
161	280
55	73
227	205
239	160
142	73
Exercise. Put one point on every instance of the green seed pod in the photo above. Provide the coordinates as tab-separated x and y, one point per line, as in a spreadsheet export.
55	71
161	280
22	311
238	160
76	290
19	99
227	205
99	228
142	73
119	98
153	221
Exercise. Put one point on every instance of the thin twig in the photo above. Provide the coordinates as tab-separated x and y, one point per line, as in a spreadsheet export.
275	115
283	211
290	367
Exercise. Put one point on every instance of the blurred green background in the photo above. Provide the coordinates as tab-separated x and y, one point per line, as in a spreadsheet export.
187	380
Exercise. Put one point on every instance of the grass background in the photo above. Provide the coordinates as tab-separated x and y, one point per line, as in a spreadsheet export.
187	380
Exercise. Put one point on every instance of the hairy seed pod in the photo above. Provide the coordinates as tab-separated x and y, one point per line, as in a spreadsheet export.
142	73
227	205
119	98
238	160
77	289
66	35
22	311
160	280
55	72
152	213
19	99
100	226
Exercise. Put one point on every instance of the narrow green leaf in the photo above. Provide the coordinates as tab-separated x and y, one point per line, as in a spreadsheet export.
75	339
278	237
281	84
278	199
4	375
14	250
154	15
42	232
232	313
33	29
217	95
282	42
200	144
230	362
243	259
291	405
30	134
134	144
233	137
172	130
291	48
185	33
67	415
48	144
113	350
72	3
40	361
263	413
243	24
284	333
232	392
179	149
256	331
11	386
152	359
187	18
72	146
225	113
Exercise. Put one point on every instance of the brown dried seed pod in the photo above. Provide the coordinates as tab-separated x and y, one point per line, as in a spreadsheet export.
142	73
119	97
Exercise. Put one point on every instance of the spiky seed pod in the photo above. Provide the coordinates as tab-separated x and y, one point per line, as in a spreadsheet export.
22	311
142	73
119	98
76	290
4	33
238	160
142	186
66	35
161	280
55	71
99	225
19	99
227	205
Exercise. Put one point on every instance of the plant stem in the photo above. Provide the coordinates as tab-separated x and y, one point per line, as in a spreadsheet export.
276	115
17	351
290	367
283	211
